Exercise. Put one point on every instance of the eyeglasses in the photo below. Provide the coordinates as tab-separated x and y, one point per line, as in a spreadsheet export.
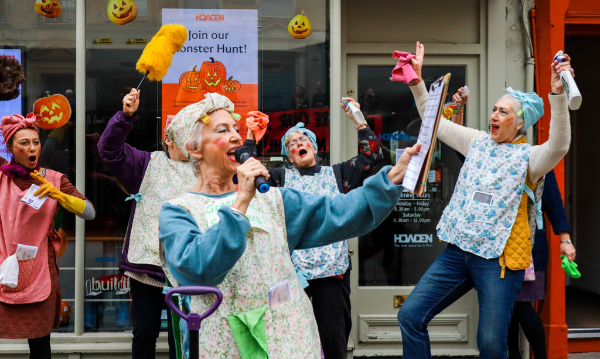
295	143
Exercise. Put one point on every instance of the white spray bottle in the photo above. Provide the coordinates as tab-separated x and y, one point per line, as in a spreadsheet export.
569	84
359	119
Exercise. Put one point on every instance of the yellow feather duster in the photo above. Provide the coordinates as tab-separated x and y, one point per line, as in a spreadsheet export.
158	54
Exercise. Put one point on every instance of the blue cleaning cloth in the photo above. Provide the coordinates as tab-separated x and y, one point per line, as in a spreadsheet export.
533	106
307	132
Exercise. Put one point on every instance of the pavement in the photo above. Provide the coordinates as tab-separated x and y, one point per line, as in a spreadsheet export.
585	356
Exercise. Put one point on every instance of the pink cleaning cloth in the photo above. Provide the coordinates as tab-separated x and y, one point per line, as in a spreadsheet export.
403	70
257	122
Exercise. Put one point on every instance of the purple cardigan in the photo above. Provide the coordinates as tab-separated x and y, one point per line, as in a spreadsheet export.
128	164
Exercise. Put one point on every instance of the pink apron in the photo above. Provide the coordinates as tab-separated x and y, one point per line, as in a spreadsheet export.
23	224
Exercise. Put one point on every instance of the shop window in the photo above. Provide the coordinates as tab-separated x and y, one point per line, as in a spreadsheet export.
403	247
2	12
67	17
284	64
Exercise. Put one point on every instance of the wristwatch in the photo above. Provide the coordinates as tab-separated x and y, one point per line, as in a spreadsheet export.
567	241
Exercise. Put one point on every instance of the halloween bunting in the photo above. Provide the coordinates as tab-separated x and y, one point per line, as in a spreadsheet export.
54	110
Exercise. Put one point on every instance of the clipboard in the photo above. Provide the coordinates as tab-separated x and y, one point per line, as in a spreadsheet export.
424	171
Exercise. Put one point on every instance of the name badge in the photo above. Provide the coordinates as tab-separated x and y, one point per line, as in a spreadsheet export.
255	218
280	293
31	200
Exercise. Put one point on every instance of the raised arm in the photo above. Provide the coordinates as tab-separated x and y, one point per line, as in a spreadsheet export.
352	173
543	158
197	258
127	163
314	221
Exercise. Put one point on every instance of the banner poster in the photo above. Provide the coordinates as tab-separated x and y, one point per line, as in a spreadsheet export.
219	55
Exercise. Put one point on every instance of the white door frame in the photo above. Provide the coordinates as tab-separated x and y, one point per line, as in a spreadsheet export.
375	330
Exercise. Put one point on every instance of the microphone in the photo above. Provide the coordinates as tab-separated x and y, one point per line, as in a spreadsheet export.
242	154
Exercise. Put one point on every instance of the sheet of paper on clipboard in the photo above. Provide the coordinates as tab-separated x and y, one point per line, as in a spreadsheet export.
418	167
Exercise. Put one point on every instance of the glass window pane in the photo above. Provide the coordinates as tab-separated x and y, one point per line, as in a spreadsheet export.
401	249
46	48
284	64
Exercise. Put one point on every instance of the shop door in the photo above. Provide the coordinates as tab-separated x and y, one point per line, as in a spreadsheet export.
388	262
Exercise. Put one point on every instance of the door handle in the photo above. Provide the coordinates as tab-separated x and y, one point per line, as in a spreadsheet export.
351	252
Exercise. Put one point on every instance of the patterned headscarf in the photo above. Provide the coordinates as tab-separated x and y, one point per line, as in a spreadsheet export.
180	129
11	124
298	128
533	106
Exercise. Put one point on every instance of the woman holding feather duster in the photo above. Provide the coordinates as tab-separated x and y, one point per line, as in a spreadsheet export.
151	178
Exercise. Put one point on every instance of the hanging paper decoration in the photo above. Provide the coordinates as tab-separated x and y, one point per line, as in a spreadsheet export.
122	12
299	27
55	111
48	8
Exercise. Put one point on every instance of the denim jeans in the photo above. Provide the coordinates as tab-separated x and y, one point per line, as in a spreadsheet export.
452	275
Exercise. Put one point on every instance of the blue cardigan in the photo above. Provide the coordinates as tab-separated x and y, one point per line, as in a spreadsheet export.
197	258
553	208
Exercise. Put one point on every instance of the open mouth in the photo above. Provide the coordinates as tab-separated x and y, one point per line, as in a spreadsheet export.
302	152
124	15
46	11
32	159
494	128
192	87
213	83
299	32
231	154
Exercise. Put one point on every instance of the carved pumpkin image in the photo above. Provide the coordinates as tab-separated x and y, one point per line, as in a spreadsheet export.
190	81
231	85
212	73
299	27
48	8
65	313
122	12
55	111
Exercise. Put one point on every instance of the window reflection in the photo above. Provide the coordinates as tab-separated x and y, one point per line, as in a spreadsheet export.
401	249
285	63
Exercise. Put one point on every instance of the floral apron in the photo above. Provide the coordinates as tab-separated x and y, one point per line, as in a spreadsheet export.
291	327
326	261
164	179
23	224
484	206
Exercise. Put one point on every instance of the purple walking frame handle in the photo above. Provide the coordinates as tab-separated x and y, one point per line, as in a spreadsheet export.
193	319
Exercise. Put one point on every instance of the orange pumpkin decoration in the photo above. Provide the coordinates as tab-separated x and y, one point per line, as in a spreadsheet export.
122	12
212	73
190	81
48	8
299	27
55	111
231	85
65	313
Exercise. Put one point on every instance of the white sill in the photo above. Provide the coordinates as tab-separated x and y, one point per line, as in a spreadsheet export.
86	343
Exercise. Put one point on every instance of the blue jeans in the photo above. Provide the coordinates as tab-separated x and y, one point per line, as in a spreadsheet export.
452	275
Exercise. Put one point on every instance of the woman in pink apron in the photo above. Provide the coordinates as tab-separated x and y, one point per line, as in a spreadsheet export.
30	299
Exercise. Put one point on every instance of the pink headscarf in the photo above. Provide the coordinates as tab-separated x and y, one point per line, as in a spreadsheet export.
11	124
257	122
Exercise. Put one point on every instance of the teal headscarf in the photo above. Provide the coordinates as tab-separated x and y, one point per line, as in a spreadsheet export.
533	106
298	128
